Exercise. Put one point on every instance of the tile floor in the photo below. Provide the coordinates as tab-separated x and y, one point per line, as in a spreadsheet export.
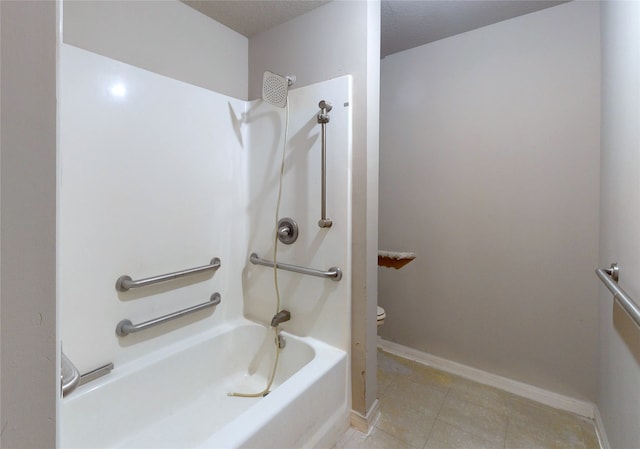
423	408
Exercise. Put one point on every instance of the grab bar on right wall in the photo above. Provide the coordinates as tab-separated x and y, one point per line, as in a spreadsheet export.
334	273
609	277
323	119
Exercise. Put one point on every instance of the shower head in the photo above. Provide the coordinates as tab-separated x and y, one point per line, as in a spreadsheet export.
275	88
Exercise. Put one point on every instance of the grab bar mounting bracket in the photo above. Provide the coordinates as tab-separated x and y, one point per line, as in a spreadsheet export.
613	271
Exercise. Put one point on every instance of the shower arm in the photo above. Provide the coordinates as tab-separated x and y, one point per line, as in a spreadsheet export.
323	119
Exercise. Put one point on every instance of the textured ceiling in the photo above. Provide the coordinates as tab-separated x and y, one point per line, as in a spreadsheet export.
251	17
405	23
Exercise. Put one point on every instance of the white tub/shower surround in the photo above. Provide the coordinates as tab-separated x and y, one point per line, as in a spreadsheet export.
177	397
157	176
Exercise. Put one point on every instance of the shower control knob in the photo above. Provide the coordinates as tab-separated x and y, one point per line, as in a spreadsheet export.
287	230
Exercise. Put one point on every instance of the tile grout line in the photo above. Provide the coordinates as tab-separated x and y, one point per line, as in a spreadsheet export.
446	396
433	425
506	431
389	385
582	433
401	377
404	443
435	419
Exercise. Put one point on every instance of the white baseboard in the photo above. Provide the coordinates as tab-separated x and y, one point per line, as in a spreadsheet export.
537	394
365	423
602	435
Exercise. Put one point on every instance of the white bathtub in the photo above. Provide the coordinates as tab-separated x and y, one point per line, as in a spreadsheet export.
177	398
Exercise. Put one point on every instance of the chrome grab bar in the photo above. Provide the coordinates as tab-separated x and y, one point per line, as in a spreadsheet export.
69	375
95	374
334	273
126	327
609	277
125	282
323	119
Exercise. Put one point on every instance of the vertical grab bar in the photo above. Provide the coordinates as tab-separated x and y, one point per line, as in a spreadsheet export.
323	119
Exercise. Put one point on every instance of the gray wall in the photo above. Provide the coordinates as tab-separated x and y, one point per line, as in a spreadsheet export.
29	378
489	156
337	39
619	342
166	37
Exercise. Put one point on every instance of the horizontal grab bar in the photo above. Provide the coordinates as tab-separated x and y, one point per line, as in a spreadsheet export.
125	282
95	374
126	327
70	377
334	273
609	277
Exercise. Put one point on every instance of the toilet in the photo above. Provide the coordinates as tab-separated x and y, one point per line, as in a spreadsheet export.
381	316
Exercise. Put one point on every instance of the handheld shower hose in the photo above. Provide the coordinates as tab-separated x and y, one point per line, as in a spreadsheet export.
275	272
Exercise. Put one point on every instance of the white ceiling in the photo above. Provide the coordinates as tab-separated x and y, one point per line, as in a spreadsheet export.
405	23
